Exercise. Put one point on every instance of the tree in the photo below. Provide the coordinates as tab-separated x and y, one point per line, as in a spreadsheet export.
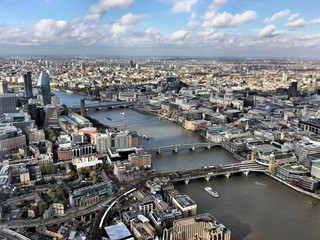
47	168
42	207
52	180
93	175
56	194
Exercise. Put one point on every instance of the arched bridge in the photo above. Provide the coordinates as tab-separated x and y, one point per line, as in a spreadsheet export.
101	105
211	171
177	147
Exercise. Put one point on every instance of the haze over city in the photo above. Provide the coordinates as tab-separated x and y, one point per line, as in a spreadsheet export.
160	28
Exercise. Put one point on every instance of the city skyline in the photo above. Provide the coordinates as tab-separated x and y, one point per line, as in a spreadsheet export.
195	28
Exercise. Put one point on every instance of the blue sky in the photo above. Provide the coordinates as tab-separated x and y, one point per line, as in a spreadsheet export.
210	28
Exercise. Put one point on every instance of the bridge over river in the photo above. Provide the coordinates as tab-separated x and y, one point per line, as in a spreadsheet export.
177	147
211	171
101	105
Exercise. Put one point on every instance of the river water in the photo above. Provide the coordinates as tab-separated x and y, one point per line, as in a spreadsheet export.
254	207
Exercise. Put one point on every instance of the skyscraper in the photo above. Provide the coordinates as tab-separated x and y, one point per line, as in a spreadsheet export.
8	103
27	85
293	89
3	87
83	107
43	86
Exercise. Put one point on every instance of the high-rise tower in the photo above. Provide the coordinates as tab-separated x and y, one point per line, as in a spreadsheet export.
43	86
3	87
8	103
27	85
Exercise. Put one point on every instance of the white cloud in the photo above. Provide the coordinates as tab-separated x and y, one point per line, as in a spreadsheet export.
311	36
97	10
179	35
212	8
295	22
126	22
202	34
130	19
267	31
48	28
193	21
227	20
277	16
315	21
183	5
216	4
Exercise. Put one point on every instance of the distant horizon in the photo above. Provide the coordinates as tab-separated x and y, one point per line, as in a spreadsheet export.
159	57
188	28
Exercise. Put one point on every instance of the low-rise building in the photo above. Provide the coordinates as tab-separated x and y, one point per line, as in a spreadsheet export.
187	206
289	172
91	194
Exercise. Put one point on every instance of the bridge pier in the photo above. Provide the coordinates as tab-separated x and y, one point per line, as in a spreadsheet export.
227	175
187	181
193	148
208	146
159	151
207	178
246	172
175	149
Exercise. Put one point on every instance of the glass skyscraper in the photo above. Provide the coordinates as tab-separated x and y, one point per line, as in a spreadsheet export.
43	86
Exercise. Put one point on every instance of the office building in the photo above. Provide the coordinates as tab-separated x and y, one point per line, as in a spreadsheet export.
187	206
293	89
27	85
91	194
8	103
73	122
3	87
11	138
83	107
140	159
51	117
118	231
121	139
34	135
43	86
202	226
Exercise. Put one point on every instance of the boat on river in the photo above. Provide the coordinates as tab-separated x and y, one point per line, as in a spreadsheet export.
211	191
110	119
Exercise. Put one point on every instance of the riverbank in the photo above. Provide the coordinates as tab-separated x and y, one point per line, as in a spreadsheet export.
314	195
235	155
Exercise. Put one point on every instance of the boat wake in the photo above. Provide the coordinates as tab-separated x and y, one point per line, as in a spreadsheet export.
261	184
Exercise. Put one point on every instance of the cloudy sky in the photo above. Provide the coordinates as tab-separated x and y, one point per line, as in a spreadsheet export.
248	28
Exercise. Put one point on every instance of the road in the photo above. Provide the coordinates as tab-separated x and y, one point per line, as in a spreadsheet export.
72	213
11	235
69	214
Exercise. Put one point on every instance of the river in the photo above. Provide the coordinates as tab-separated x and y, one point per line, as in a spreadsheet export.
254	207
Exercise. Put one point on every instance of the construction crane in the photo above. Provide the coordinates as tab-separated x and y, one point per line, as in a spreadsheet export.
88	83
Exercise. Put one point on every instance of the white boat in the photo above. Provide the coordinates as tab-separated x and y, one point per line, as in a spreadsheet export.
122	113
212	192
145	137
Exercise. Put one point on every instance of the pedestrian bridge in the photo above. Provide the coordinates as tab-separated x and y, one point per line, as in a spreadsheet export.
177	147
207	172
